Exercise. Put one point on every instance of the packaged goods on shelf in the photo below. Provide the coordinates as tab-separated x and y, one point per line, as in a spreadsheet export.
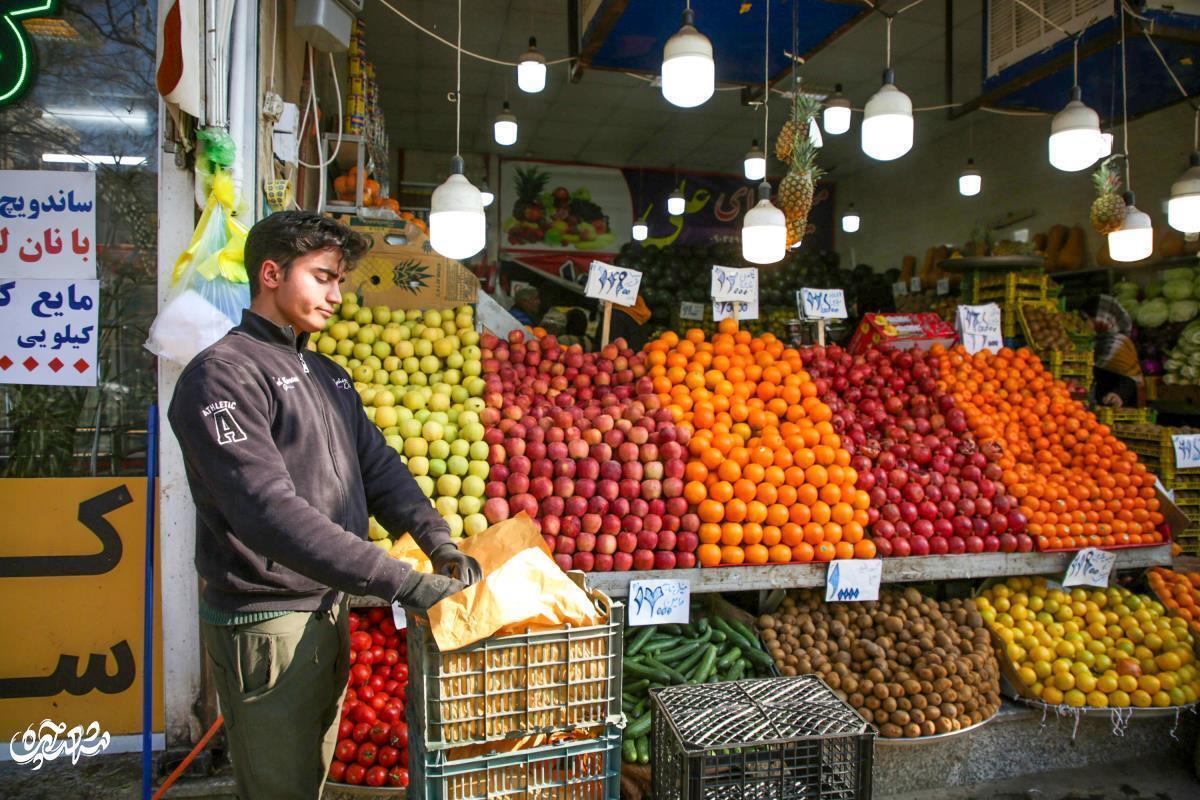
902	331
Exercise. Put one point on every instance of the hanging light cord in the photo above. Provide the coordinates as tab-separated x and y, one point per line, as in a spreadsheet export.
889	40
1125	109
458	85
766	75
449	43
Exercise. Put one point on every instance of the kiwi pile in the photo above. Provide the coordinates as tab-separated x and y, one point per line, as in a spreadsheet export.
912	665
1046	328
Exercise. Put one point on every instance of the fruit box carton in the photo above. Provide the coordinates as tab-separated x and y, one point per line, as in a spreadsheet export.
401	270
903	331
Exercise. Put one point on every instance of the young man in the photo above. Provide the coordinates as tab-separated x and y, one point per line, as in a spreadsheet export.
285	468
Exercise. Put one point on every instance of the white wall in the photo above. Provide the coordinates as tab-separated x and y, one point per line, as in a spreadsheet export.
912	204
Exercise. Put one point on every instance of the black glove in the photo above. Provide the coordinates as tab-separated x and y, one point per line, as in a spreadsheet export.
449	560
422	590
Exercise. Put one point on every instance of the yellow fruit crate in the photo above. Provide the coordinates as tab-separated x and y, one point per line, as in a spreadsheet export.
1042	351
1125	416
1010	288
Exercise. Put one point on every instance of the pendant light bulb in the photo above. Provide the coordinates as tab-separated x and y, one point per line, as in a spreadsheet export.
688	72
1134	240
531	69
850	220
836	115
676	203
1075	138
970	182
887	129
764	230
1183	209
486	195
505	127
457	225
640	231
1106	145
754	165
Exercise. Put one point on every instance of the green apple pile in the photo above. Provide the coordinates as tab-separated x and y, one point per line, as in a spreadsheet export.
418	374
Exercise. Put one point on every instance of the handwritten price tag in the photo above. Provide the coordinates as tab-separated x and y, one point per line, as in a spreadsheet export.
855	580
659	602
822	303
1090	567
613	283
1187	450
943	286
899	289
729	283
745	310
914	285
691	310
979	328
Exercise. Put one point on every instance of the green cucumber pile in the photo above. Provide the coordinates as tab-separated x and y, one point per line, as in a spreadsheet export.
706	650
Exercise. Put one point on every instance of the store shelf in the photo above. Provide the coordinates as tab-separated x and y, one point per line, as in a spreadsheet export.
895	570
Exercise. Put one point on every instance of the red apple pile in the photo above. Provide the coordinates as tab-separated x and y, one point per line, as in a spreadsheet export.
372	747
933	490
580	442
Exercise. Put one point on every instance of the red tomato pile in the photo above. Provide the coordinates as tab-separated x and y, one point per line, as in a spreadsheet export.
372	746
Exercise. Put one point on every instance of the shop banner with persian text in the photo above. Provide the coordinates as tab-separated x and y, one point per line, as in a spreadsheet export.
71	586
559	217
47	224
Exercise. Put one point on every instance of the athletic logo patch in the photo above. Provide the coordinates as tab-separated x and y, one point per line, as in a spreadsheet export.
228	429
287	384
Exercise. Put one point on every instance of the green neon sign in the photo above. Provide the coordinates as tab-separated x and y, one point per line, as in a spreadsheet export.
18	56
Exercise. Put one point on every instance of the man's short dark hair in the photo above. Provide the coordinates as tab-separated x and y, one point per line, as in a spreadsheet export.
286	235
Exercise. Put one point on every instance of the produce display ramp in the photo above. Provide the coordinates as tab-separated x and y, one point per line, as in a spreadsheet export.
913	569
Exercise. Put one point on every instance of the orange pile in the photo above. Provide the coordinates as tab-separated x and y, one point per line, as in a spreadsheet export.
767	475
1076	483
1180	592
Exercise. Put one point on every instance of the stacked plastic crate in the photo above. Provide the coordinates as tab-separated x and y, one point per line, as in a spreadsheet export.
528	715
1155	447
779	738
1007	290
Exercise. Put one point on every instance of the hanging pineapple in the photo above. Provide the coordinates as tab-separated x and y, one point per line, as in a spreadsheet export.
1108	209
798	187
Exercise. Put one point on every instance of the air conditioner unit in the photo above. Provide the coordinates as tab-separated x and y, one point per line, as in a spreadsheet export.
1014	32
326	24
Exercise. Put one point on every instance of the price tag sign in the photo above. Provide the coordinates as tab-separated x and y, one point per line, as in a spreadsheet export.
1187	450
723	309
854	580
1090	567
822	303
613	284
914	285
899	288
659	602
979	328
729	283
691	310
399	617
943	286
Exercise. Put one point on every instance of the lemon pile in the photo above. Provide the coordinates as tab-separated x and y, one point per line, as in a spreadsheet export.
1098	648
418	374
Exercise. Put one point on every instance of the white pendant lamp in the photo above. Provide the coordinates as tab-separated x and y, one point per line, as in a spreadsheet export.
676	203
531	69
850	220
754	165
688	72
764	230
970	182
1075	138
887	128
1183	209
640	231
837	113
1106	145
505	127
457	225
1135	238
486	195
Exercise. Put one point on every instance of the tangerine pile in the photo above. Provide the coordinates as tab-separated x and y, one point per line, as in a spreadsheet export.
767	475
1178	591
1077	484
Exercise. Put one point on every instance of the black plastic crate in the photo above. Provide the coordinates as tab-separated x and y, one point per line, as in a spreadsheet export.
768	739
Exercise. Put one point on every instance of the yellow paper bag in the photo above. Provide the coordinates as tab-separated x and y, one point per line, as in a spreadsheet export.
522	587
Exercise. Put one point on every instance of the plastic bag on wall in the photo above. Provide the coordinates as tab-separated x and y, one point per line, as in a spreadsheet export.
209	288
